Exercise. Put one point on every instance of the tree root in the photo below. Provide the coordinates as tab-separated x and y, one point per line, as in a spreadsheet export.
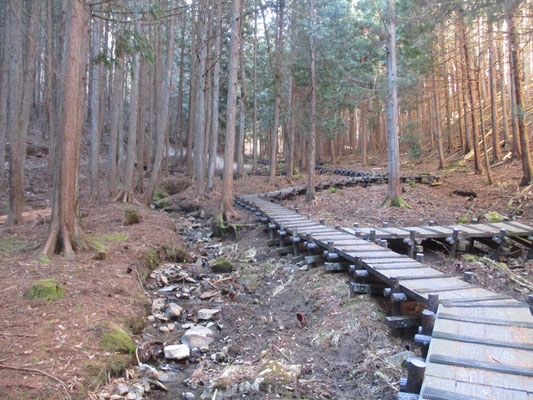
396	202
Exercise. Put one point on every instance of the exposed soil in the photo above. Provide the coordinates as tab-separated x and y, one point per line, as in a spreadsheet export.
344	350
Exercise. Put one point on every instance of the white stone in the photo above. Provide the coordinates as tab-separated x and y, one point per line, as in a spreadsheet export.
199	336
157	304
173	311
177	351
207	313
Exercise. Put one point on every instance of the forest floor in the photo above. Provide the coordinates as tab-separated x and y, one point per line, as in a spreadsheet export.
256	347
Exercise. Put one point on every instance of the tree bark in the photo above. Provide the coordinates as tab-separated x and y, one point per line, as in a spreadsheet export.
22	107
226	204
65	234
213	143
437	124
4	90
496	150
310	191
254	128
96	88
163	118
116	110
242	110
393	187
516	71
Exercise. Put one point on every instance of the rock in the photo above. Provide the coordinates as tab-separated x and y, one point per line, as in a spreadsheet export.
218	357
164	329
250	253
164	280
304	267
171	326
399	359
188	396
46	289
173	311
287	373
151	318
244	387
147	371
207	313
257	384
157	304
177	352
122	389
208	294
288	270
131	218
222	265
136	392
199	336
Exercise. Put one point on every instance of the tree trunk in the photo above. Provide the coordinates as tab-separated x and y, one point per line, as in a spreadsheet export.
393	188
516	71
496	150
179	123
116	110
310	191
213	143
277	92
242	111
163	117
503	94
189	166
22	108
65	234
4	90
226	204
475	139
362	133
290	143
482	123
96	88
127	194
254	128
199	140
437	124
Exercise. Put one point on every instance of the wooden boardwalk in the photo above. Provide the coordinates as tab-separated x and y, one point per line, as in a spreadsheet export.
493	234
481	343
430	179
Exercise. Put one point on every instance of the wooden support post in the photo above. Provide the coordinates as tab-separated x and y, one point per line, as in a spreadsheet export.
500	241
420	257
433	300
385	224
372	235
530	303
431	223
272	227
297	210
296	242
530	252
282	233
454	240
321	221
395	305
428	320
412	243
469	276
416	368
356	225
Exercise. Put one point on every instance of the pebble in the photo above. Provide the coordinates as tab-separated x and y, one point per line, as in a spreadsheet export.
157	304
188	396
122	389
164	329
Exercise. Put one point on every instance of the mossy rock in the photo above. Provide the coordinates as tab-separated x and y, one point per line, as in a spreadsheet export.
222	265
175	253
175	185
150	259
163	204
131	217
250	282
113	365
160	194
46	289
114	338
493	217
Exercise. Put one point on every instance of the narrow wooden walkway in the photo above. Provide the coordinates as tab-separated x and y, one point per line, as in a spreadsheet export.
481	344
490	233
430	179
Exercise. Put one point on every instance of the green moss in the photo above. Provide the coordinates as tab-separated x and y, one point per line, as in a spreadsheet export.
462	220
397	202
114	338
175	253
114	365
412	184
222	265
220	385
163	204
46	289
469	257
333	189
134	324
114	237
160	194
150	259
493	217
250	282
131	217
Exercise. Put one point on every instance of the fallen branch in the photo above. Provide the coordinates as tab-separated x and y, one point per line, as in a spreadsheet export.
229	278
37	371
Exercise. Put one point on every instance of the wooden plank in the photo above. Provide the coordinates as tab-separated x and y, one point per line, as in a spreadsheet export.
487	321
452	337
483	365
395	266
